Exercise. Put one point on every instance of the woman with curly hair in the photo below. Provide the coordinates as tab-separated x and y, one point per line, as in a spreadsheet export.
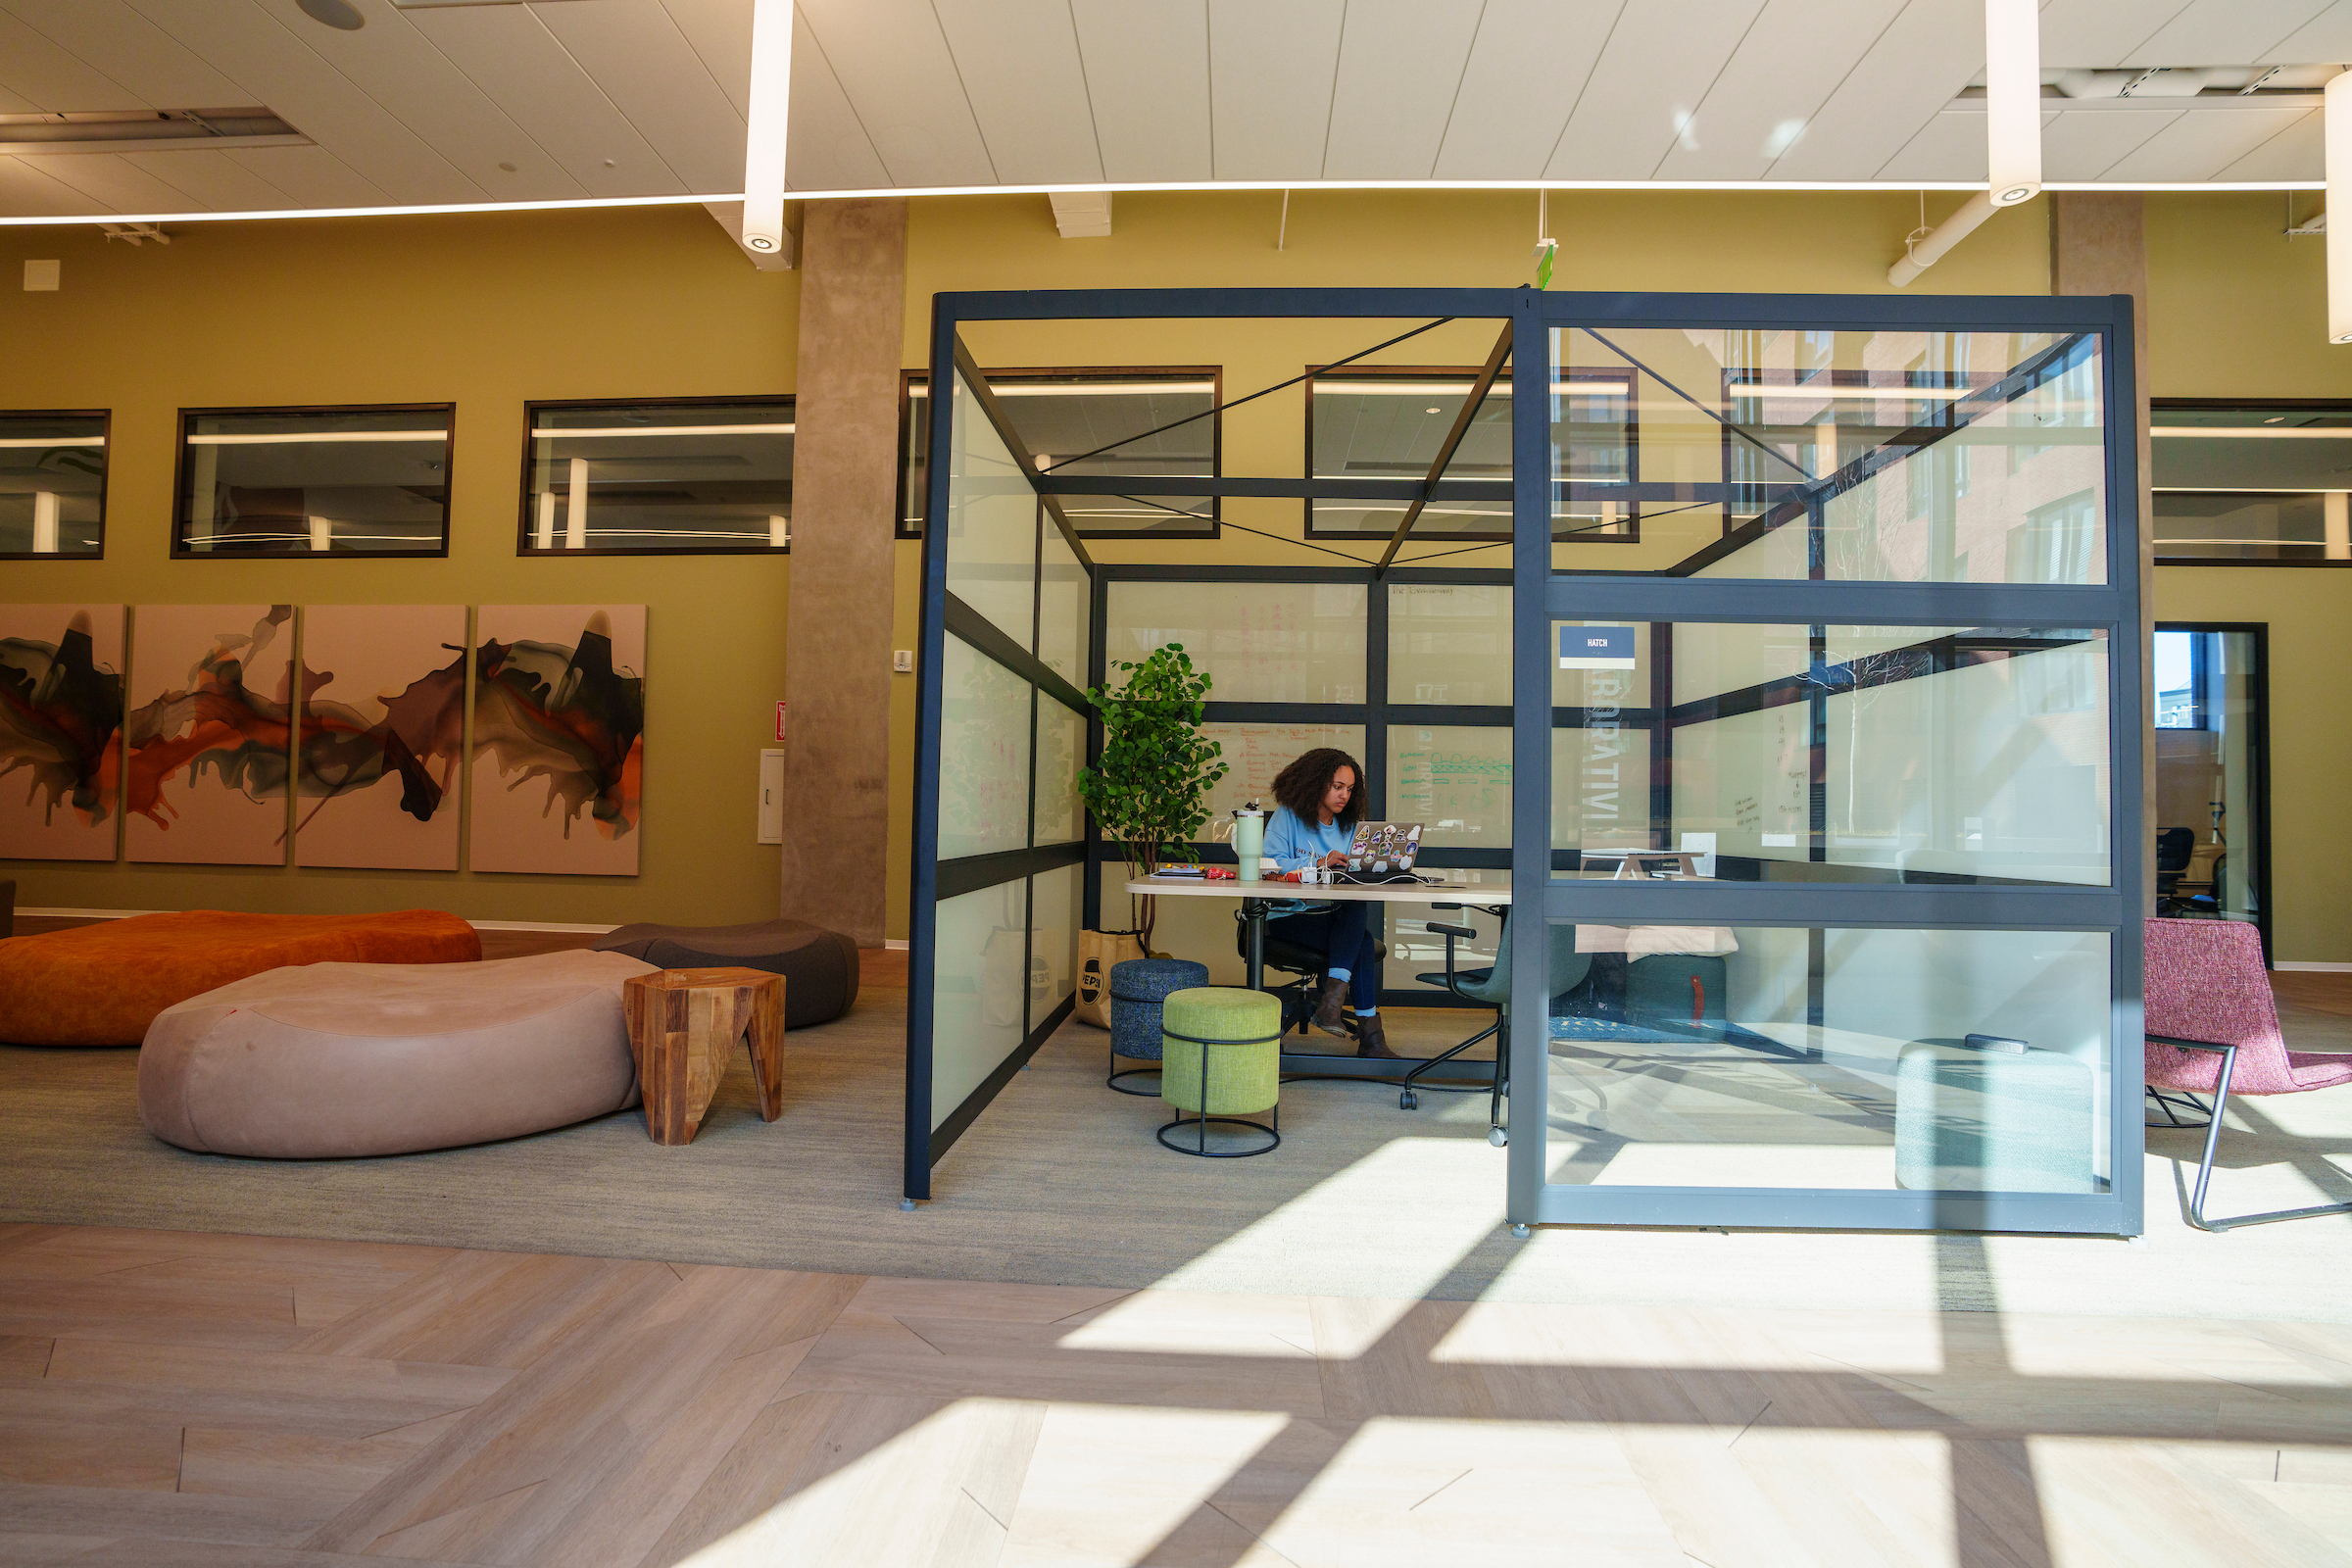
1319	800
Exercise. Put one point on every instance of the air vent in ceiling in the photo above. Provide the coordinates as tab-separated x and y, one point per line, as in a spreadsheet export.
145	130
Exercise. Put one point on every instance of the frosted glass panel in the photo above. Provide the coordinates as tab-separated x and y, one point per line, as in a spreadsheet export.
1064	609
983	755
2018	786
1711	659
1600	788
992	524
1054	911
976	991
1604	688
1060	753
1450	643
1259	642
1745	778
1456	780
1254	753
1766	1057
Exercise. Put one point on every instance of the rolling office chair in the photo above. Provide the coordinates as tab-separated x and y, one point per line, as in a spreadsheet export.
2176	847
1300	995
1492	988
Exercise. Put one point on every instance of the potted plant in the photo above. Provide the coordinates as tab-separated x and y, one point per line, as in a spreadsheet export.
1149	788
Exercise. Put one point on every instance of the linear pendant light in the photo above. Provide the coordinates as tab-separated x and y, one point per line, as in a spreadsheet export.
2336	110
770	116
2012	100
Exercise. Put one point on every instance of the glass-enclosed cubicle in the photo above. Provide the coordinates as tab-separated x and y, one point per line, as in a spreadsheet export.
1798	721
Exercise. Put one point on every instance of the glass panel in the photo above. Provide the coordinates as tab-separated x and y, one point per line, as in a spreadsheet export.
2208	813
660	478
992	526
1455	780
1873	1059
1062	417
1254	753
977	994
1599	786
1259	642
1450	643
334	481
52	484
983	755
1054	913
1060	753
1855	456
1857	753
2262	481
1065	608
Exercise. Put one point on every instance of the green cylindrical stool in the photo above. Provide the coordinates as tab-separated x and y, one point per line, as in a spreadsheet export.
1221	1058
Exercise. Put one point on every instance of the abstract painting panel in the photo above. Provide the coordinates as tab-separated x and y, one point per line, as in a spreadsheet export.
383	724
559	738
61	730
210	733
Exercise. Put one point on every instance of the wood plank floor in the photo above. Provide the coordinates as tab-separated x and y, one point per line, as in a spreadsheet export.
174	1399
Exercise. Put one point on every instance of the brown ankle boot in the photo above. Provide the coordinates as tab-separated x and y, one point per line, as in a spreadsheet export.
1371	1040
1328	1016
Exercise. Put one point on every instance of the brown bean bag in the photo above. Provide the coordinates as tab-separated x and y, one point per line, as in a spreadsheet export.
819	966
103	983
329	1061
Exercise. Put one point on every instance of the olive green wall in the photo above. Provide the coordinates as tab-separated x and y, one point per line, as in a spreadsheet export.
2237	310
486	312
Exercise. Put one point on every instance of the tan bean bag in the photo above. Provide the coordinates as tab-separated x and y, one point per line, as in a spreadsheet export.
332	1059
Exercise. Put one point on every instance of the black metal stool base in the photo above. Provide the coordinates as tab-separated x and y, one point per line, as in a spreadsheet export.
1202	1151
1118	1072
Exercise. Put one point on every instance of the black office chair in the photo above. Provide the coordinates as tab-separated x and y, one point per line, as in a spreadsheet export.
1301	996
2176	847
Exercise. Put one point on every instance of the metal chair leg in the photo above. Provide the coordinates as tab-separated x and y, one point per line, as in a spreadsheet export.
2213	1140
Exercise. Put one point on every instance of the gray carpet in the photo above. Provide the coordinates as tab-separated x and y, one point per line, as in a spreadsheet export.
1060	1183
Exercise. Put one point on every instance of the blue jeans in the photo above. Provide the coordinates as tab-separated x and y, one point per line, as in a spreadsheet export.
1342	934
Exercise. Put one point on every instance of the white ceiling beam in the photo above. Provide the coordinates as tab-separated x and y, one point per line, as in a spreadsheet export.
1083	215
782	257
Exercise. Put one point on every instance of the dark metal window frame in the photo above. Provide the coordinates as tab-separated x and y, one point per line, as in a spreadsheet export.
2159	405
106	472
1540	598
448	467
2259	745
530	433
1469	373
1214	375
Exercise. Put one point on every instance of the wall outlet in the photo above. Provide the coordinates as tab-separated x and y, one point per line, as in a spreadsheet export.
40	278
902	661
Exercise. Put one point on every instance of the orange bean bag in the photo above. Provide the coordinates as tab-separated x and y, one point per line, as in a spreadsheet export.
103	983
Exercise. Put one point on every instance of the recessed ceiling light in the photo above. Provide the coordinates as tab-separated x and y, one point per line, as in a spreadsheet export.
1432	409
339	13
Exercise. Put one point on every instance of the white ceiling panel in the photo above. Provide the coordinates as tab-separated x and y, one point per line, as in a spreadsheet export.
1923	58
2296	153
2085	143
1526	71
111	183
214	178
26	192
277	67
2094	33
2326	40
519	65
892	62
635	52
54	79
1272	68
2200	145
1028	89
2224	32
402	71
1147	70
720	31
311	176
825	148
1400	75
1948	147
1795	55
131	50
1643	95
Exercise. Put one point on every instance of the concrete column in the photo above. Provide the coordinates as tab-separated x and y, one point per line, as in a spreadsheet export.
837	632
2098	245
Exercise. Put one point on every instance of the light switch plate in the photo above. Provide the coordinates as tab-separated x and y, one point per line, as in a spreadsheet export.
40	278
771	795
902	661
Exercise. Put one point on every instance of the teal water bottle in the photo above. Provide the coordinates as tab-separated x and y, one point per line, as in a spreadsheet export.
1249	838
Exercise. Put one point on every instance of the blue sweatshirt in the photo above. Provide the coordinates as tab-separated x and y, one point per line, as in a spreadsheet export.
1294	842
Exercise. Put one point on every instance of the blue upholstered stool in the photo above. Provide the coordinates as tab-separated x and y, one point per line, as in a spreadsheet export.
1137	987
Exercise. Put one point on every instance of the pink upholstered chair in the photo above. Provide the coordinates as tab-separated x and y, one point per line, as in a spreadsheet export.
2213	1029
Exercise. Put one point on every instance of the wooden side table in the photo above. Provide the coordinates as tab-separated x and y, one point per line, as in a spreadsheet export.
683	1025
